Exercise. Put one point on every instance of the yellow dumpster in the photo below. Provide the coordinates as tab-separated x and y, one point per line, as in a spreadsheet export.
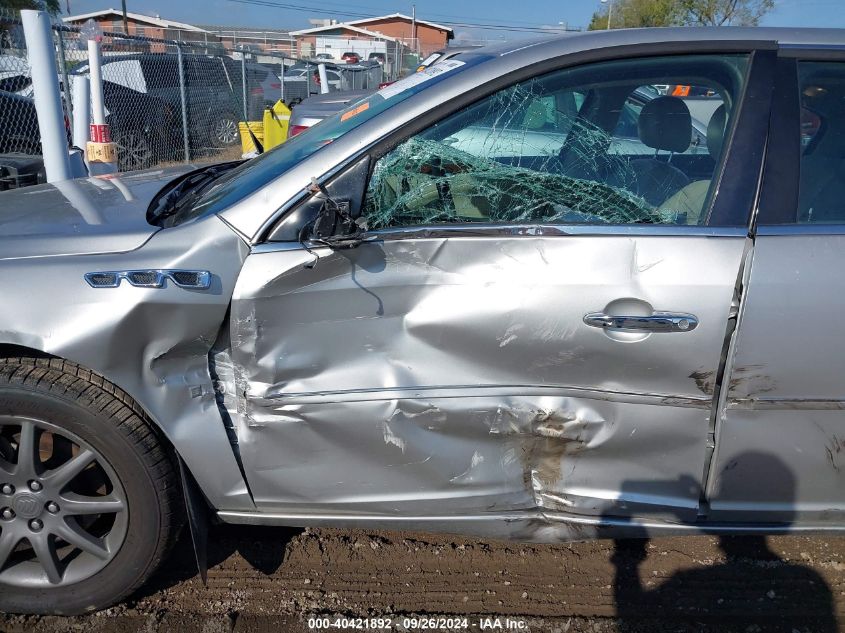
257	129
276	121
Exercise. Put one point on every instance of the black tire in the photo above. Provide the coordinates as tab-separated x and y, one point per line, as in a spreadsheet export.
83	403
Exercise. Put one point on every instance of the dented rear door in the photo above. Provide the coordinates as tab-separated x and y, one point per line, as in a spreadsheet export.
464	369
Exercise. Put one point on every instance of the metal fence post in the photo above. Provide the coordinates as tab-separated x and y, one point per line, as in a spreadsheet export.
63	70
282	97
307	80
81	115
243	82
184	99
48	101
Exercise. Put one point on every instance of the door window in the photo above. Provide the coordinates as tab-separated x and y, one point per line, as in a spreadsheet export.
548	150
821	197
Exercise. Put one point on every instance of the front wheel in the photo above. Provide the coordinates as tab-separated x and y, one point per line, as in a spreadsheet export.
89	501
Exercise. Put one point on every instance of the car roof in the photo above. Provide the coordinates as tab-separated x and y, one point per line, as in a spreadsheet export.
572	42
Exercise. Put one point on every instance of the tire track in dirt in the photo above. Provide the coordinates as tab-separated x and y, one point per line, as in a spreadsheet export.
264	577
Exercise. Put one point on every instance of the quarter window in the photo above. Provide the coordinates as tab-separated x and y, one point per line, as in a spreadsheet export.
599	144
821	194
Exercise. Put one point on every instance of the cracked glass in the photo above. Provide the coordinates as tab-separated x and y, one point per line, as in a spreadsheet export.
613	143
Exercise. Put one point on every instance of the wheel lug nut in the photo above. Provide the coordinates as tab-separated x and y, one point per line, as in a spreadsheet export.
52	507
8	514
7	489
36	525
35	486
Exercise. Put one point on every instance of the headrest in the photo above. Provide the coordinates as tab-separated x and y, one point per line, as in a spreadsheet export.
665	123
716	131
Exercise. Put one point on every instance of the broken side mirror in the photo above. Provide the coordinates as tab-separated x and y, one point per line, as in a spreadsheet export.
334	226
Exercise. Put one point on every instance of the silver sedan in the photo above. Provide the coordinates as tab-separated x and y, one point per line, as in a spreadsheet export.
394	320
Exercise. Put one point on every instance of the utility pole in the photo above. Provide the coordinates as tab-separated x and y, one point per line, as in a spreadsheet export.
609	11
414	28
125	21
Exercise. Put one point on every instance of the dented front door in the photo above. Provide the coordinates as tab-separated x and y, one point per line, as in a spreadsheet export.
456	374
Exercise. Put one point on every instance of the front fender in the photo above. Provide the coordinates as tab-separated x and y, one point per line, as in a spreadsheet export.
151	342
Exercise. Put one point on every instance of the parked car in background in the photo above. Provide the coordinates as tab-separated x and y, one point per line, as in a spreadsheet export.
268	78
314	109
214	90
303	80
324	57
145	129
381	58
19	129
371	326
21	164
351	58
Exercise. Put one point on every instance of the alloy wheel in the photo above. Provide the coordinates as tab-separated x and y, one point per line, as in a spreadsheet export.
225	131
63	511
133	151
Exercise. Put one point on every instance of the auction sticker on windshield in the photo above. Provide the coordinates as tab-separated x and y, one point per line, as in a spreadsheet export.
428	74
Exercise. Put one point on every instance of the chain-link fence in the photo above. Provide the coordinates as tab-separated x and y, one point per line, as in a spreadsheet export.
167	100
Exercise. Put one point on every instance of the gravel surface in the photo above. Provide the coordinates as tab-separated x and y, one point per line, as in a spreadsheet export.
275	579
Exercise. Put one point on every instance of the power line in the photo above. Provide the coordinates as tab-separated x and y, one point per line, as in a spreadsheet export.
483	26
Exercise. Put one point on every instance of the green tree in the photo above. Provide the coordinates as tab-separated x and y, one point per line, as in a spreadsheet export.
642	13
724	12
625	14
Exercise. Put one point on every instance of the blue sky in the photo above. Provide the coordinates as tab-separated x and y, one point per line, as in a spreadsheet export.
531	13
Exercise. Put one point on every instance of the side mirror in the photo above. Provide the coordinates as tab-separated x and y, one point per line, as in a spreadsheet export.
334	226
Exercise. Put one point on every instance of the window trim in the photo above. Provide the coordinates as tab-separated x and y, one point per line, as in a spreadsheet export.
778	203
737	185
734	175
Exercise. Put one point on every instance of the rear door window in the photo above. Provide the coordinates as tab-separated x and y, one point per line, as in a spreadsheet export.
821	197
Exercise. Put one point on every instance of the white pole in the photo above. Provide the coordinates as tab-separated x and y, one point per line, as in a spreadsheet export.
47	94
81	113
324	79
98	110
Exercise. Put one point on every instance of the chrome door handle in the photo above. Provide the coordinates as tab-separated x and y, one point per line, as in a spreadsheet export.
657	322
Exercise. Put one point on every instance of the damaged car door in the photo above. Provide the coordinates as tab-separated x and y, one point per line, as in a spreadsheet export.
779	458
533	332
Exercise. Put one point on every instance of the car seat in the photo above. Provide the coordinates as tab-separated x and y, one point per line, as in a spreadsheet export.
664	124
689	201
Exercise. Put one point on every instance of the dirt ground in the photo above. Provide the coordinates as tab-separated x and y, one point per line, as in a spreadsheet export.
264	579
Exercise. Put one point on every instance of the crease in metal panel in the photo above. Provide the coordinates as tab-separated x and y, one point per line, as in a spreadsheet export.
151	342
378	383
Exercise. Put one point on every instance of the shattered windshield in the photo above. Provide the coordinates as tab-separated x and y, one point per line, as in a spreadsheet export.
428	182
256	173
599	144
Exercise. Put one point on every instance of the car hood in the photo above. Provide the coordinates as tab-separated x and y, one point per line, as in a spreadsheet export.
87	216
